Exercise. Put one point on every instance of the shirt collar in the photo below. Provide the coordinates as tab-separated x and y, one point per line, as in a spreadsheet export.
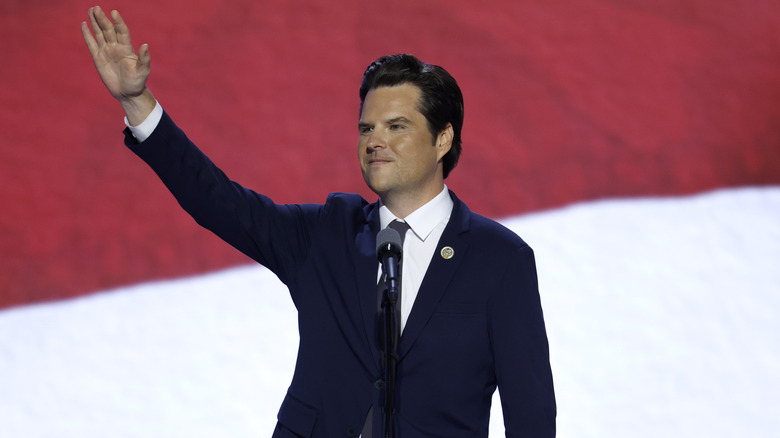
423	220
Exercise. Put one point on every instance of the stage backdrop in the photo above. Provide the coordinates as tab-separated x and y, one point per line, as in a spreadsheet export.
565	101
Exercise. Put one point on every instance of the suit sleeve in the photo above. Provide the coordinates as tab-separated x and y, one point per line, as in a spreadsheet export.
521	352
244	219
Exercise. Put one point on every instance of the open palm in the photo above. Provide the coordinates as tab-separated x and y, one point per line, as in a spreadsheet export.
122	71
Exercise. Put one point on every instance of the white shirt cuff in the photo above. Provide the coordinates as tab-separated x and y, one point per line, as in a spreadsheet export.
145	129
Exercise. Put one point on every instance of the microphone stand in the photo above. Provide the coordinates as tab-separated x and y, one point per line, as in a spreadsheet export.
390	353
389	247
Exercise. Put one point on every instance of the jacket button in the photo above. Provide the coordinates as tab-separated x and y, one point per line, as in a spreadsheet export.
379	384
351	432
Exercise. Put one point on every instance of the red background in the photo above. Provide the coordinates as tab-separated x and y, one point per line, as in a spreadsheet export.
565	101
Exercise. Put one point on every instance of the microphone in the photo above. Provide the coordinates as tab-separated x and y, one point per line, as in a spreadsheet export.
388	251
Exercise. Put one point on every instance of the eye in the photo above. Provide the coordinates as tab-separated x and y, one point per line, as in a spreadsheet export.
365	130
396	127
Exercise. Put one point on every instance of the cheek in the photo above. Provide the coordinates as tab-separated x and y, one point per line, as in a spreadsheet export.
361	150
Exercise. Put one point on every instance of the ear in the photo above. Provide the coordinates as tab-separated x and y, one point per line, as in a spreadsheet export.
444	141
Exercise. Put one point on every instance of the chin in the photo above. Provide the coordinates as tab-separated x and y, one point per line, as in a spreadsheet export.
376	189
374	183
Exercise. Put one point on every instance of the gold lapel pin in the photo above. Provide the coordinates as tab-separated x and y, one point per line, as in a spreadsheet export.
447	252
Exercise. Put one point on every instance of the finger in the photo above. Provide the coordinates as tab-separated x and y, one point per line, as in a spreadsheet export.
88	38
122	32
144	59
100	40
106	26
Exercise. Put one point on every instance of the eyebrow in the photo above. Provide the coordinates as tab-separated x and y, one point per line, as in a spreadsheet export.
394	120
400	119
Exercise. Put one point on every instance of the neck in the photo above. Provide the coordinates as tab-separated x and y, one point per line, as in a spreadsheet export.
402	206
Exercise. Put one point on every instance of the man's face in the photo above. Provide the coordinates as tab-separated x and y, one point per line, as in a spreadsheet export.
398	155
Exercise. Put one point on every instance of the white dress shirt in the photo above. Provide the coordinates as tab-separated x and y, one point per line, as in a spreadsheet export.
426	225
145	129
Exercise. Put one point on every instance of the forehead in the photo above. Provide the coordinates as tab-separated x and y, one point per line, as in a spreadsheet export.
388	102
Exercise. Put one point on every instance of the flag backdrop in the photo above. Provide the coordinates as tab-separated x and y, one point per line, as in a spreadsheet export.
634	144
565	101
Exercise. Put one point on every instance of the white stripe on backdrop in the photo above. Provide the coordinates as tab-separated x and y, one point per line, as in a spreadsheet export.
661	315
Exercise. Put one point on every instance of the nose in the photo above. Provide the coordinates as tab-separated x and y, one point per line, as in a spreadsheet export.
375	140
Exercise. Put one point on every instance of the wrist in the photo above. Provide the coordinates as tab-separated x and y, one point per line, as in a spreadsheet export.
138	108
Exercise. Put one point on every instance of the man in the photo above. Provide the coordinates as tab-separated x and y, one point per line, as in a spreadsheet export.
471	318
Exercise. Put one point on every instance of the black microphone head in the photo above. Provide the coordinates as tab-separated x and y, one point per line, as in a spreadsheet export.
388	240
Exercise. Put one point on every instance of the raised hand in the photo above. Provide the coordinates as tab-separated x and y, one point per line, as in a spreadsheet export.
123	72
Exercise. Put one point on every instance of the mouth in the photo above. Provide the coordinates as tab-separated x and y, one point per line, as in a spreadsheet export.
377	161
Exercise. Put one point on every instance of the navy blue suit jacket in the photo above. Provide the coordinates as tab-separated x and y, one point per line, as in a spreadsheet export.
476	323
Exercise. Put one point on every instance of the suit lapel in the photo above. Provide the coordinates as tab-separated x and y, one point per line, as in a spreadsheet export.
366	275
439	275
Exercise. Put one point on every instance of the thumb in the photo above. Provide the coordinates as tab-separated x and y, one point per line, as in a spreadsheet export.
144	59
